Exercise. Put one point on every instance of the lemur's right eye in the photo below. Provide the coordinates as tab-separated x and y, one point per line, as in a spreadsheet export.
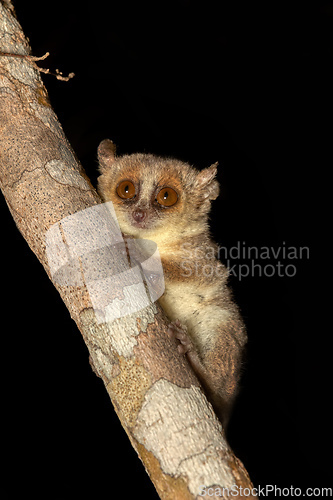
167	197
126	190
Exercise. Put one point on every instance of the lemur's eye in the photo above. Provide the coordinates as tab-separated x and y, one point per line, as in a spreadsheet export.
167	197
126	190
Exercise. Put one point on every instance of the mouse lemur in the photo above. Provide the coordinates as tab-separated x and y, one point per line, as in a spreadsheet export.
168	201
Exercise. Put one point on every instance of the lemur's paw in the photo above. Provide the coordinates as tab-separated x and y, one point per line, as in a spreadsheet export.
179	332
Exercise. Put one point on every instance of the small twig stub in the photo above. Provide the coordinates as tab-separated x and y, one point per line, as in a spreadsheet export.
33	59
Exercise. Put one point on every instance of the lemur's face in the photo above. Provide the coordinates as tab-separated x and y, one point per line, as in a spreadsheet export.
152	194
145	202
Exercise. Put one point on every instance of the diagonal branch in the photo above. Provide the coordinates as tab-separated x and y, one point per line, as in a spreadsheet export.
155	394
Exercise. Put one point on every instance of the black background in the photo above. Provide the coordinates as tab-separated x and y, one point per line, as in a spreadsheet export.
246	85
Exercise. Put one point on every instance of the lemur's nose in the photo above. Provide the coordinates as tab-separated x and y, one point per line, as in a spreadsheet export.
139	215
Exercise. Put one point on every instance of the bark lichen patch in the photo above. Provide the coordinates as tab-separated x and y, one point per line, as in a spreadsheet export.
190	446
64	175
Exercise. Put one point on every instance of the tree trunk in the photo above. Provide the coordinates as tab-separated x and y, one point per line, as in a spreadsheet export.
154	392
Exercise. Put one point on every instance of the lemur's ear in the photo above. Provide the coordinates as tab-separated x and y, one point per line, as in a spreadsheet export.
207	183
106	153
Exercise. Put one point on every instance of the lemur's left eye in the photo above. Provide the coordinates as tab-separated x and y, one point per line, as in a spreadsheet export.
167	197
126	190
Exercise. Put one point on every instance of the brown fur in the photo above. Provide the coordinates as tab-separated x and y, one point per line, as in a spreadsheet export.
200	300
